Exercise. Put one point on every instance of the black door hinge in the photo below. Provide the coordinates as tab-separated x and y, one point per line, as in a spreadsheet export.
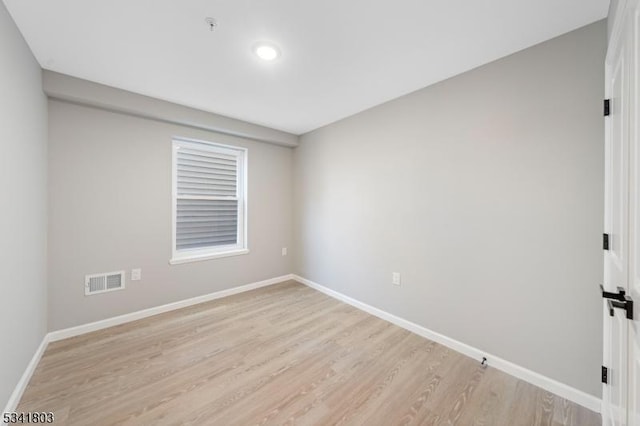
605	241
605	375
607	107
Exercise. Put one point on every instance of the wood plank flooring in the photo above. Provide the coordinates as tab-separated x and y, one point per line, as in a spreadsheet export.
284	354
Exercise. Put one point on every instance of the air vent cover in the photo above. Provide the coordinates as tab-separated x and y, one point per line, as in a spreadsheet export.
102	283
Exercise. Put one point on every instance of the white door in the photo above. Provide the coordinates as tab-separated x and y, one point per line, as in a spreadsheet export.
621	396
631	33
616	258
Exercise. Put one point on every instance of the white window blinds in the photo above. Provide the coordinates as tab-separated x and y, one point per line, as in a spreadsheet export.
208	198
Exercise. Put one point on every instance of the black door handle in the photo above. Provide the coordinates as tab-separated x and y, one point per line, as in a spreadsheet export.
620	295
627	305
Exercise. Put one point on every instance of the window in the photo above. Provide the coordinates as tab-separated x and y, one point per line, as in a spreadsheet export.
209	200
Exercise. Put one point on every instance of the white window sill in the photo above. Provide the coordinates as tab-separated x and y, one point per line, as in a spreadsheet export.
200	257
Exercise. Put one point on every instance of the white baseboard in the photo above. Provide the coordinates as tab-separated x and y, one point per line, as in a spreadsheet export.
122	319
15	397
579	397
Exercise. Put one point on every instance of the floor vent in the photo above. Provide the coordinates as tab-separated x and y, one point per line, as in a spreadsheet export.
102	283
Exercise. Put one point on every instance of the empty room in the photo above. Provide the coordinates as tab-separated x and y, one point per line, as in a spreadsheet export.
358	212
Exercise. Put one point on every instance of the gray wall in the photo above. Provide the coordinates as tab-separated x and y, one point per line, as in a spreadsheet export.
486	192
110	209
76	90
23	216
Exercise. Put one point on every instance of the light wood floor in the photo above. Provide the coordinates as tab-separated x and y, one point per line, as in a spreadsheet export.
285	354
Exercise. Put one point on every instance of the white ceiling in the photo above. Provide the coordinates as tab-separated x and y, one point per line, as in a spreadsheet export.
339	57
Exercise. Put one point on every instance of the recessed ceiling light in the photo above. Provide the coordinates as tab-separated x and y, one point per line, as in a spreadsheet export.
266	51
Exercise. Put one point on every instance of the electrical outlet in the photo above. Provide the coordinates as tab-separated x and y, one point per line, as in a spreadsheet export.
136	274
395	278
284	251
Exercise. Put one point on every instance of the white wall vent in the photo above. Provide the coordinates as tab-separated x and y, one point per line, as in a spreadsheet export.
102	283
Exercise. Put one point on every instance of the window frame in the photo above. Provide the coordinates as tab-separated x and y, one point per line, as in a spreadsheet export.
212	252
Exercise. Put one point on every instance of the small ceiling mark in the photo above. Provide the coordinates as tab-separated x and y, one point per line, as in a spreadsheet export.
212	23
